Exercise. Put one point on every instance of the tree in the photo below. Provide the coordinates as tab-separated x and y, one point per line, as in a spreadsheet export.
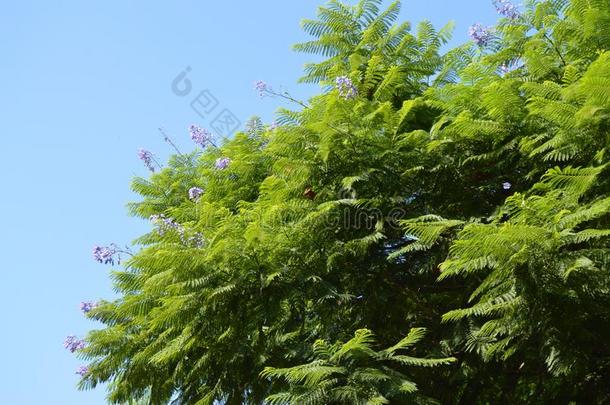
464	192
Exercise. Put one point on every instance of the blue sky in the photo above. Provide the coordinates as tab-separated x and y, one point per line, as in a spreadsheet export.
83	85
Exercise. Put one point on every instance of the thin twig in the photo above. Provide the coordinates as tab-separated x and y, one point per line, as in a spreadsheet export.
555	48
287	96
169	140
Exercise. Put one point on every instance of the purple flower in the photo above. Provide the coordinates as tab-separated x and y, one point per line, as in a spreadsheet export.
480	35
87	306
261	87
73	343
506	185
222	163
164	224
346	87
200	136
196	240
273	126
106	254
82	371
195	193
148	159
506	9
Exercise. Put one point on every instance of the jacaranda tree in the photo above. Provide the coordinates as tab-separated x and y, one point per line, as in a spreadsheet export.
433	227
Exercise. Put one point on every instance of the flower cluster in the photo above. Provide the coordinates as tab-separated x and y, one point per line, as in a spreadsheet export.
346	87
165	224
507	9
200	136
262	87
274	125
107	254
196	240
506	185
480	35
82	371
148	159
73	343
195	193
87	306
222	163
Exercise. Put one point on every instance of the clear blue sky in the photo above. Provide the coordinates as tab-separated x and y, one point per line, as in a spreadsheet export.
83	85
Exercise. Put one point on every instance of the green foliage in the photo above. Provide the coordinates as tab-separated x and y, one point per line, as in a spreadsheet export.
447	194
352	373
